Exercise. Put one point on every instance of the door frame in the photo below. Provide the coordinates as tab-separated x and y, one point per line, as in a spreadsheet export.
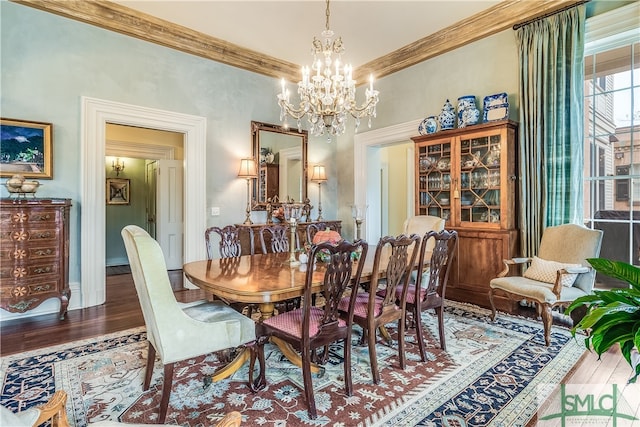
363	192
96	113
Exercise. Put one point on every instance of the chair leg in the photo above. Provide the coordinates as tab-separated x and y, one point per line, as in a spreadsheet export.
440	312
166	392
348	383
373	358
257	351
308	384
493	306
151	359
401	334
419	334
547	320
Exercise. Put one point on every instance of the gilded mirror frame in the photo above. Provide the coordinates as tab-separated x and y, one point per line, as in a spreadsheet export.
258	197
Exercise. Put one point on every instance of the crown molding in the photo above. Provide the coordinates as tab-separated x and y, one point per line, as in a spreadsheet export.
121	19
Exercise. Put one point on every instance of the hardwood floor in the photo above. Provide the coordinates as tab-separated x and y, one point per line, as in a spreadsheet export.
122	311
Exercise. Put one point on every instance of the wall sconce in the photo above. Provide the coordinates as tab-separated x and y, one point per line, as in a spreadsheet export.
117	165
319	175
619	155
248	170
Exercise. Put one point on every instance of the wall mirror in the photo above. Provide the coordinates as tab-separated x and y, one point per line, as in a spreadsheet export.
282	164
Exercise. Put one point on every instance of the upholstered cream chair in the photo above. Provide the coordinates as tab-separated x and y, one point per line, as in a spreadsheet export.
556	276
54	411
421	225
178	332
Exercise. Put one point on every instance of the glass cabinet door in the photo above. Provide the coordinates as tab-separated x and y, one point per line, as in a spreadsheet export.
434	180
480	178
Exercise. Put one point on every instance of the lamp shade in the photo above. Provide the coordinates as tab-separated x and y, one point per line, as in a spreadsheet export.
318	174
248	168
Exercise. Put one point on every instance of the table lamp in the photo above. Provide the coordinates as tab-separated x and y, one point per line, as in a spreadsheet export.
248	170
319	175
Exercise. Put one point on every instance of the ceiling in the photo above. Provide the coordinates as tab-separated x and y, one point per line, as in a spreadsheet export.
274	37
285	29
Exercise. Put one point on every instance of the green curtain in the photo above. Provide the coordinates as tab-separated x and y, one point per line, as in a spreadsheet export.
550	160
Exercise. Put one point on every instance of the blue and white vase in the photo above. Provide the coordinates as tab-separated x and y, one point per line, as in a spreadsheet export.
428	125
431	124
468	114
447	117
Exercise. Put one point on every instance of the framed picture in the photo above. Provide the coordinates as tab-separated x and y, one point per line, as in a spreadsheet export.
118	191
25	149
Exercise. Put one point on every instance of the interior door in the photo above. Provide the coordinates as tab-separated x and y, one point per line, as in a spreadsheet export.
170	212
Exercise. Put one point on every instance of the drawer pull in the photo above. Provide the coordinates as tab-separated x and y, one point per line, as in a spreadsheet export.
43	252
41	288
41	217
41	270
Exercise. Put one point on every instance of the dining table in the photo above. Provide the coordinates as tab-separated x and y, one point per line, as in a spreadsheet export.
266	279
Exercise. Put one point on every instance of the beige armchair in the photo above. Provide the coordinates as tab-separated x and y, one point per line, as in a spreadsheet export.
178	332
556	276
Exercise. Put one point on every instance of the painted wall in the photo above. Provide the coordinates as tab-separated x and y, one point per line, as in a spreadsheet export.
46	71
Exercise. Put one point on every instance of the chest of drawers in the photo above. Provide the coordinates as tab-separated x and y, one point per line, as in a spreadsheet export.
34	251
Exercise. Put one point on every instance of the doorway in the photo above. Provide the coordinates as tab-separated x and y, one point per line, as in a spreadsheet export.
144	153
367	167
96	113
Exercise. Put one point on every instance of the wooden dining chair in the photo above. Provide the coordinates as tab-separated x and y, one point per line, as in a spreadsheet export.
309	327
229	248
379	306
312	229
274	238
428	291
228	241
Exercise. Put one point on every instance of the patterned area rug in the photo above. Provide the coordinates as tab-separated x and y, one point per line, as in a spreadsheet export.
489	375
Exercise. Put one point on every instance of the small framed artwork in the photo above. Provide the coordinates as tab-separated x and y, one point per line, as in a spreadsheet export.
118	191
25	149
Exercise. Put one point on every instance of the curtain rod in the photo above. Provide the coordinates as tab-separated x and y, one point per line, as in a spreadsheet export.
548	14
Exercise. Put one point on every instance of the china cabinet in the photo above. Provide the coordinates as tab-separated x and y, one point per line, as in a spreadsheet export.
269	180
467	176
34	246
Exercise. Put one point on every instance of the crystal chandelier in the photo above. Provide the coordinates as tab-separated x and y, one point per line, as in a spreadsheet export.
327	91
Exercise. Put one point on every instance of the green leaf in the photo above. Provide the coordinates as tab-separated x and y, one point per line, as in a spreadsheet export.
617	269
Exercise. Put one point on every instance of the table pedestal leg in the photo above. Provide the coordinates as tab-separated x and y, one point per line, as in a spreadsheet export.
230	368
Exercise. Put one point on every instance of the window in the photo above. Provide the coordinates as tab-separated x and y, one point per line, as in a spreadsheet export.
622	185
612	133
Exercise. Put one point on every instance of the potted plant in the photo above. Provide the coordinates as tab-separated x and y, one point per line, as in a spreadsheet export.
613	316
